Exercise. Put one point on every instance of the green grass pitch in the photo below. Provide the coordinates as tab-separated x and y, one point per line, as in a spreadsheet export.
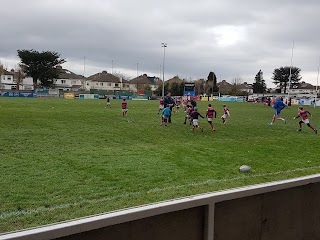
64	159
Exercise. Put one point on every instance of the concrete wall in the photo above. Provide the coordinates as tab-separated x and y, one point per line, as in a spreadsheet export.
286	210
289	214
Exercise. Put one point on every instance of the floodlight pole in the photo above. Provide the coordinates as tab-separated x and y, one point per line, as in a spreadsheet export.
290	71
214	75
112	66
316	98
84	71
219	87
164	45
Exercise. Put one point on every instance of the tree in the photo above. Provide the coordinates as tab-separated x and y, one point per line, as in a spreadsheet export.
281	77
158	91
212	78
259	86
41	66
199	87
1	69
166	88
174	89
236	87
145	87
181	89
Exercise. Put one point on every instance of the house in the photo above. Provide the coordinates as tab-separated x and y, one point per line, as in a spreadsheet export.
107	81
15	80
303	88
245	87
7	80
69	81
175	79
224	87
144	82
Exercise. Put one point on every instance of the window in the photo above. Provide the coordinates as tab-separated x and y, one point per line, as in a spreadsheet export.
63	81
101	84
9	78
73	82
116	85
109	84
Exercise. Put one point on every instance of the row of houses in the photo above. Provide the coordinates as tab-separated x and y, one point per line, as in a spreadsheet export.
69	81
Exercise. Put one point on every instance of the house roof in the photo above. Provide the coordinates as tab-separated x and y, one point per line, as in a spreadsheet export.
245	85
104	76
224	83
66	74
19	74
144	79
304	85
5	72
175	79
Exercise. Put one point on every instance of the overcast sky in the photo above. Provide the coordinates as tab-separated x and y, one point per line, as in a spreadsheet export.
233	38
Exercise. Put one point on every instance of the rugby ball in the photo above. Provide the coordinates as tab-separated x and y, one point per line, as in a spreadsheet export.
245	168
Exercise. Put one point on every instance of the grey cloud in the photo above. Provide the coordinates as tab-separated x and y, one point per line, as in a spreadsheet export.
131	32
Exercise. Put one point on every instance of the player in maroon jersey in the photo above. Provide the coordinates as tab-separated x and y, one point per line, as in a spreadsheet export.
210	114
161	105
226	114
195	116
304	115
124	107
178	103
184	103
188	113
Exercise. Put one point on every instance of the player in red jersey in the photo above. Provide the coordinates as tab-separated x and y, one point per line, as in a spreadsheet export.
188	113
161	105
184	103
210	114
178	103
304	115
124	107
226	114
195	116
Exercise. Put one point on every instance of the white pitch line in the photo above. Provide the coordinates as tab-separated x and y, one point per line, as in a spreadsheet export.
154	190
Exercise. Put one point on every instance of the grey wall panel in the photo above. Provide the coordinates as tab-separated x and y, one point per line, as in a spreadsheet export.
238	219
289	214
181	225
292	214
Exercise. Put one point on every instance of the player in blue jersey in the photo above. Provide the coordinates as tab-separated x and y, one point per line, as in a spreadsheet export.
278	106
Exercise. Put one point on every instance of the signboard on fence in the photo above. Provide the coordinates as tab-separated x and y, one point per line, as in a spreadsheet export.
68	96
88	96
18	94
231	99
